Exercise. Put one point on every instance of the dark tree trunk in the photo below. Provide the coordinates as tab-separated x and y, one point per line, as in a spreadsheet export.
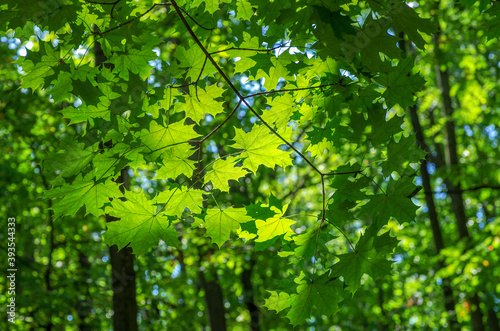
85	305
253	310
493	323
122	262
123	279
449	300
124	294
455	190
215	302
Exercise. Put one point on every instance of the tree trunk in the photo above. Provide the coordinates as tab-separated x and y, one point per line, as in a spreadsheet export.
215	302
449	301
253	310
124	294
123	278
454	188
122	262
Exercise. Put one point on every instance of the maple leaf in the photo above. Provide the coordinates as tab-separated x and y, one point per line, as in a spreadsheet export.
401	86
175	162
322	293
162	138
220	223
281	109
394	203
367	258
278	301
201	101
211	6
407	20
140	224
71	159
83	191
194	60
274	226
224	171
178	199
260	146
133	60
400	153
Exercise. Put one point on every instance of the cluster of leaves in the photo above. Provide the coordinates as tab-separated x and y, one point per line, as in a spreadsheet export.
331	81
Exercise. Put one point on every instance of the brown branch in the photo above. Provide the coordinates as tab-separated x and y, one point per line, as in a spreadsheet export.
198	79
218	126
192	19
267	50
345	173
292	89
476	188
231	85
102	3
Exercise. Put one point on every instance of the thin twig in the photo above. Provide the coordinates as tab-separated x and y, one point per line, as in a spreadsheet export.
231	85
192	19
218	126
292	89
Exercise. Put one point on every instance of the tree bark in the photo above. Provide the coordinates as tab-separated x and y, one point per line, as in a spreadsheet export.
123	278
253	310
215	302
451	160
449	300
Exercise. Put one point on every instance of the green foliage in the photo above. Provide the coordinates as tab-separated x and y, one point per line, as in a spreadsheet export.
209	94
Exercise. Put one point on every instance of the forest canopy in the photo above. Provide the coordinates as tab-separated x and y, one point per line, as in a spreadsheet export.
250	164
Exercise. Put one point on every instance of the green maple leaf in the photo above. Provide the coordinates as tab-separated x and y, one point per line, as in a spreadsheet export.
320	296
349	188
332	132
177	200
274	226
224	171
278	301
62	86
382	42
201	101
271	68
340	24
401	86
211	6
282	108
71	160
405	19
260	146
244	9
133	60
193	59
86	113
82	192
368	258
493	25
132	151
176	162
35	74
310	243
400	153
219	223
161	139
108	163
395	203
140	224
383	130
